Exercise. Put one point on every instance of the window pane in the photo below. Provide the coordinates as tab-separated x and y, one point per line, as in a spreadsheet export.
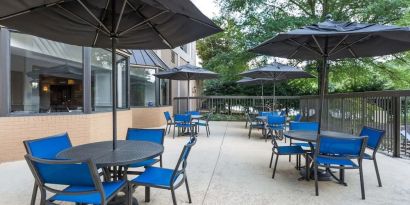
142	86
46	76
164	92
101	72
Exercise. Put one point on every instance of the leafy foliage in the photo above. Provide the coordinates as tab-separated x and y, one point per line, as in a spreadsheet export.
247	23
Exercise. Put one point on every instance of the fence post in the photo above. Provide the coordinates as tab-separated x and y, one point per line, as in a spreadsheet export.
396	126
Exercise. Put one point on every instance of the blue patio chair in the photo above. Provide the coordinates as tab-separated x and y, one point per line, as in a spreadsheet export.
282	113
339	153
149	135
183	121
266	113
193	113
298	118
80	181
303	126
254	124
170	122
204	123
375	137
163	178
283	150
46	148
277	125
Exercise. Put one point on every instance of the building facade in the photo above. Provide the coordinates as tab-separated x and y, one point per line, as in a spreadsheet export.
48	87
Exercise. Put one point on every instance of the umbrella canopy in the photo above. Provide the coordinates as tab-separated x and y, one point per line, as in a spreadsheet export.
331	40
277	72
133	24
255	81
187	72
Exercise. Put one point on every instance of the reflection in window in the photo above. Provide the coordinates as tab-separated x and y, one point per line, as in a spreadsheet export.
164	97
142	88
101	71
46	76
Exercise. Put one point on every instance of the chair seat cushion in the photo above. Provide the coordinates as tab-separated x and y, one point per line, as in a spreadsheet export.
155	176
287	150
302	144
183	125
367	156
338	162
145	163
276	127
109	189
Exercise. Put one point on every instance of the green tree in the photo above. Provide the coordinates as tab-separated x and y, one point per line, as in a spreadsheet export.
247	23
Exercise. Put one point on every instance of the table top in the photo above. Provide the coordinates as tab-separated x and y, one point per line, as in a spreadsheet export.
311	136
127	152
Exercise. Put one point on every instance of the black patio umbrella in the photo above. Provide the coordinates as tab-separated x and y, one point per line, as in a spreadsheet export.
187	72
331	40
127	24
277	72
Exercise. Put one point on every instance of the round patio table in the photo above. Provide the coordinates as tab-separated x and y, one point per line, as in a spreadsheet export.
127	152
311	137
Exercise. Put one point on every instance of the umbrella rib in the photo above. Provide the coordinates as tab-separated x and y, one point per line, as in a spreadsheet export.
348	46
338	44
120	17
142	22
93	16
102	18
30	10
304	46
150	24
294	52
318	45
82	19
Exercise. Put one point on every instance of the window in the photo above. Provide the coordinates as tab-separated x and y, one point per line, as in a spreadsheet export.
142	88
101	72
46	76
173	57
164	95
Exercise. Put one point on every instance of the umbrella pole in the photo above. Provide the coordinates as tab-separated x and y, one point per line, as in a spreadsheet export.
263	100
323	88
114	94
187	99
274	95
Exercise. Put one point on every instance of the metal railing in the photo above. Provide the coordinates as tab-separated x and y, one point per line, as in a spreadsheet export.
347	112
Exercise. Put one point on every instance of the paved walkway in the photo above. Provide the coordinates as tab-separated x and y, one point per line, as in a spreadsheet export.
228	168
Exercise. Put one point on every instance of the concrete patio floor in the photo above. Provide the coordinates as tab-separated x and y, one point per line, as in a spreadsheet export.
228	168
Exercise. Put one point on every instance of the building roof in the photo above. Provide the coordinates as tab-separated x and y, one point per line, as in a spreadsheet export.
146	58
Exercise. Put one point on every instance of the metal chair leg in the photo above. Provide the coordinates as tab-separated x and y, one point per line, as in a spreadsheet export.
129	195
271	159
187	189
173	136
377	172
34	195
160	161
43	197
316	183
250	131
274	168
174	200
361	180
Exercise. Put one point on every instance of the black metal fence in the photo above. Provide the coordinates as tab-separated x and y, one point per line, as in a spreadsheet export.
347	112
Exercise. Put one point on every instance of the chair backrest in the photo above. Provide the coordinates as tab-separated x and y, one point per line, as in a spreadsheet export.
374	135
298	118
304	126
193	113
182	161
282	113
276	120
167	116
150	135
65	172
47	147
182	118
342	147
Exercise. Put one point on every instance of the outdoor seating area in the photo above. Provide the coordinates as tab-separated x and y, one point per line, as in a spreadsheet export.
230	168
112	102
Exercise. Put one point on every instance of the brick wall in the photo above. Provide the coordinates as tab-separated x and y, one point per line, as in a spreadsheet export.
149	117
81	129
